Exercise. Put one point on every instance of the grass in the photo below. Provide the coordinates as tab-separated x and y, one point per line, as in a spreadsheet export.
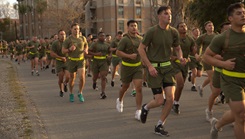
21	107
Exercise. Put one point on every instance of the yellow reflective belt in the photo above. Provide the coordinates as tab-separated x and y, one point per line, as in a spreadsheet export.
58	59
48	51
178	61
99	57
217	69
31	53
233	74
164	64
114	55
192	56
75	59
131	64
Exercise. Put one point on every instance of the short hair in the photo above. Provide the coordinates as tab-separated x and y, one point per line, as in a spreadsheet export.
194	28
207	23
89	35
101	32
225	23
234	6
119	33
163	8
131	21
179	24
74	24
60	31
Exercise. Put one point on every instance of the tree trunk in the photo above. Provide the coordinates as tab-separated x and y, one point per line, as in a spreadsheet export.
178	11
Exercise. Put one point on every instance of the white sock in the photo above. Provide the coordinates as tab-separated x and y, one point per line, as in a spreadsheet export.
146	108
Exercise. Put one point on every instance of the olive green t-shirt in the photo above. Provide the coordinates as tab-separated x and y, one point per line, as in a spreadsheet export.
57	48
80	44
36	45
99	46
234	49
114	44
11	47
4	46
187	43
203	41
129	45
42	49
159	42
19	47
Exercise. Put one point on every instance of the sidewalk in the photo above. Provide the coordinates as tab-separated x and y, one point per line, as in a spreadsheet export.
96	118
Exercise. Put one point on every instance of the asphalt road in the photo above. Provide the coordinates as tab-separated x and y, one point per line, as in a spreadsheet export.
99	119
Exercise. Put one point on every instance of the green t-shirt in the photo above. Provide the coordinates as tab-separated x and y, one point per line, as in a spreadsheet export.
187	43
203	41
99	46
129	45
234	49
159	42
35	44
42	49
114	44
80	44
19	48
11	47
57	48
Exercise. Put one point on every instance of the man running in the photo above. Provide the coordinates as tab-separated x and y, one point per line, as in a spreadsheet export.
76	47
159	41
101	53
61	62
115	60
131	69
231	44
33	54
181	71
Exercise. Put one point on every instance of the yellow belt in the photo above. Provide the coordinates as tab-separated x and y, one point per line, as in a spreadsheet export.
99	57
58	59
178	61
164	64
217	69
48	51
75	59
32	53
233	74
131	64
192	56
114	55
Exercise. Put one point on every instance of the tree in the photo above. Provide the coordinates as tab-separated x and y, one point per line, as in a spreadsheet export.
177	7
22	9
40	8
62	13
205	10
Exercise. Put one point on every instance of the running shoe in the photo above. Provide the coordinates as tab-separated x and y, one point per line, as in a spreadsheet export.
159	130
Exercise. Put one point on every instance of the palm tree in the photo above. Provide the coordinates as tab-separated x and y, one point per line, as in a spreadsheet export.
22	9
40	8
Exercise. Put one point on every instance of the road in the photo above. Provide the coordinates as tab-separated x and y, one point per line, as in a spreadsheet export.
98	119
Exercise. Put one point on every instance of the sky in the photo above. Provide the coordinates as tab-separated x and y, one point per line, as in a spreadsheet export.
11	12
10	1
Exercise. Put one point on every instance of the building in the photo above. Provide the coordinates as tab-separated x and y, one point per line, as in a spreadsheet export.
111	16
108	15
43	18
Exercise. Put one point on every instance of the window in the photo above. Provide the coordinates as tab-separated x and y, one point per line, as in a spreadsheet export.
120	11
138	2
121	25
138	12
120	1
139	26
